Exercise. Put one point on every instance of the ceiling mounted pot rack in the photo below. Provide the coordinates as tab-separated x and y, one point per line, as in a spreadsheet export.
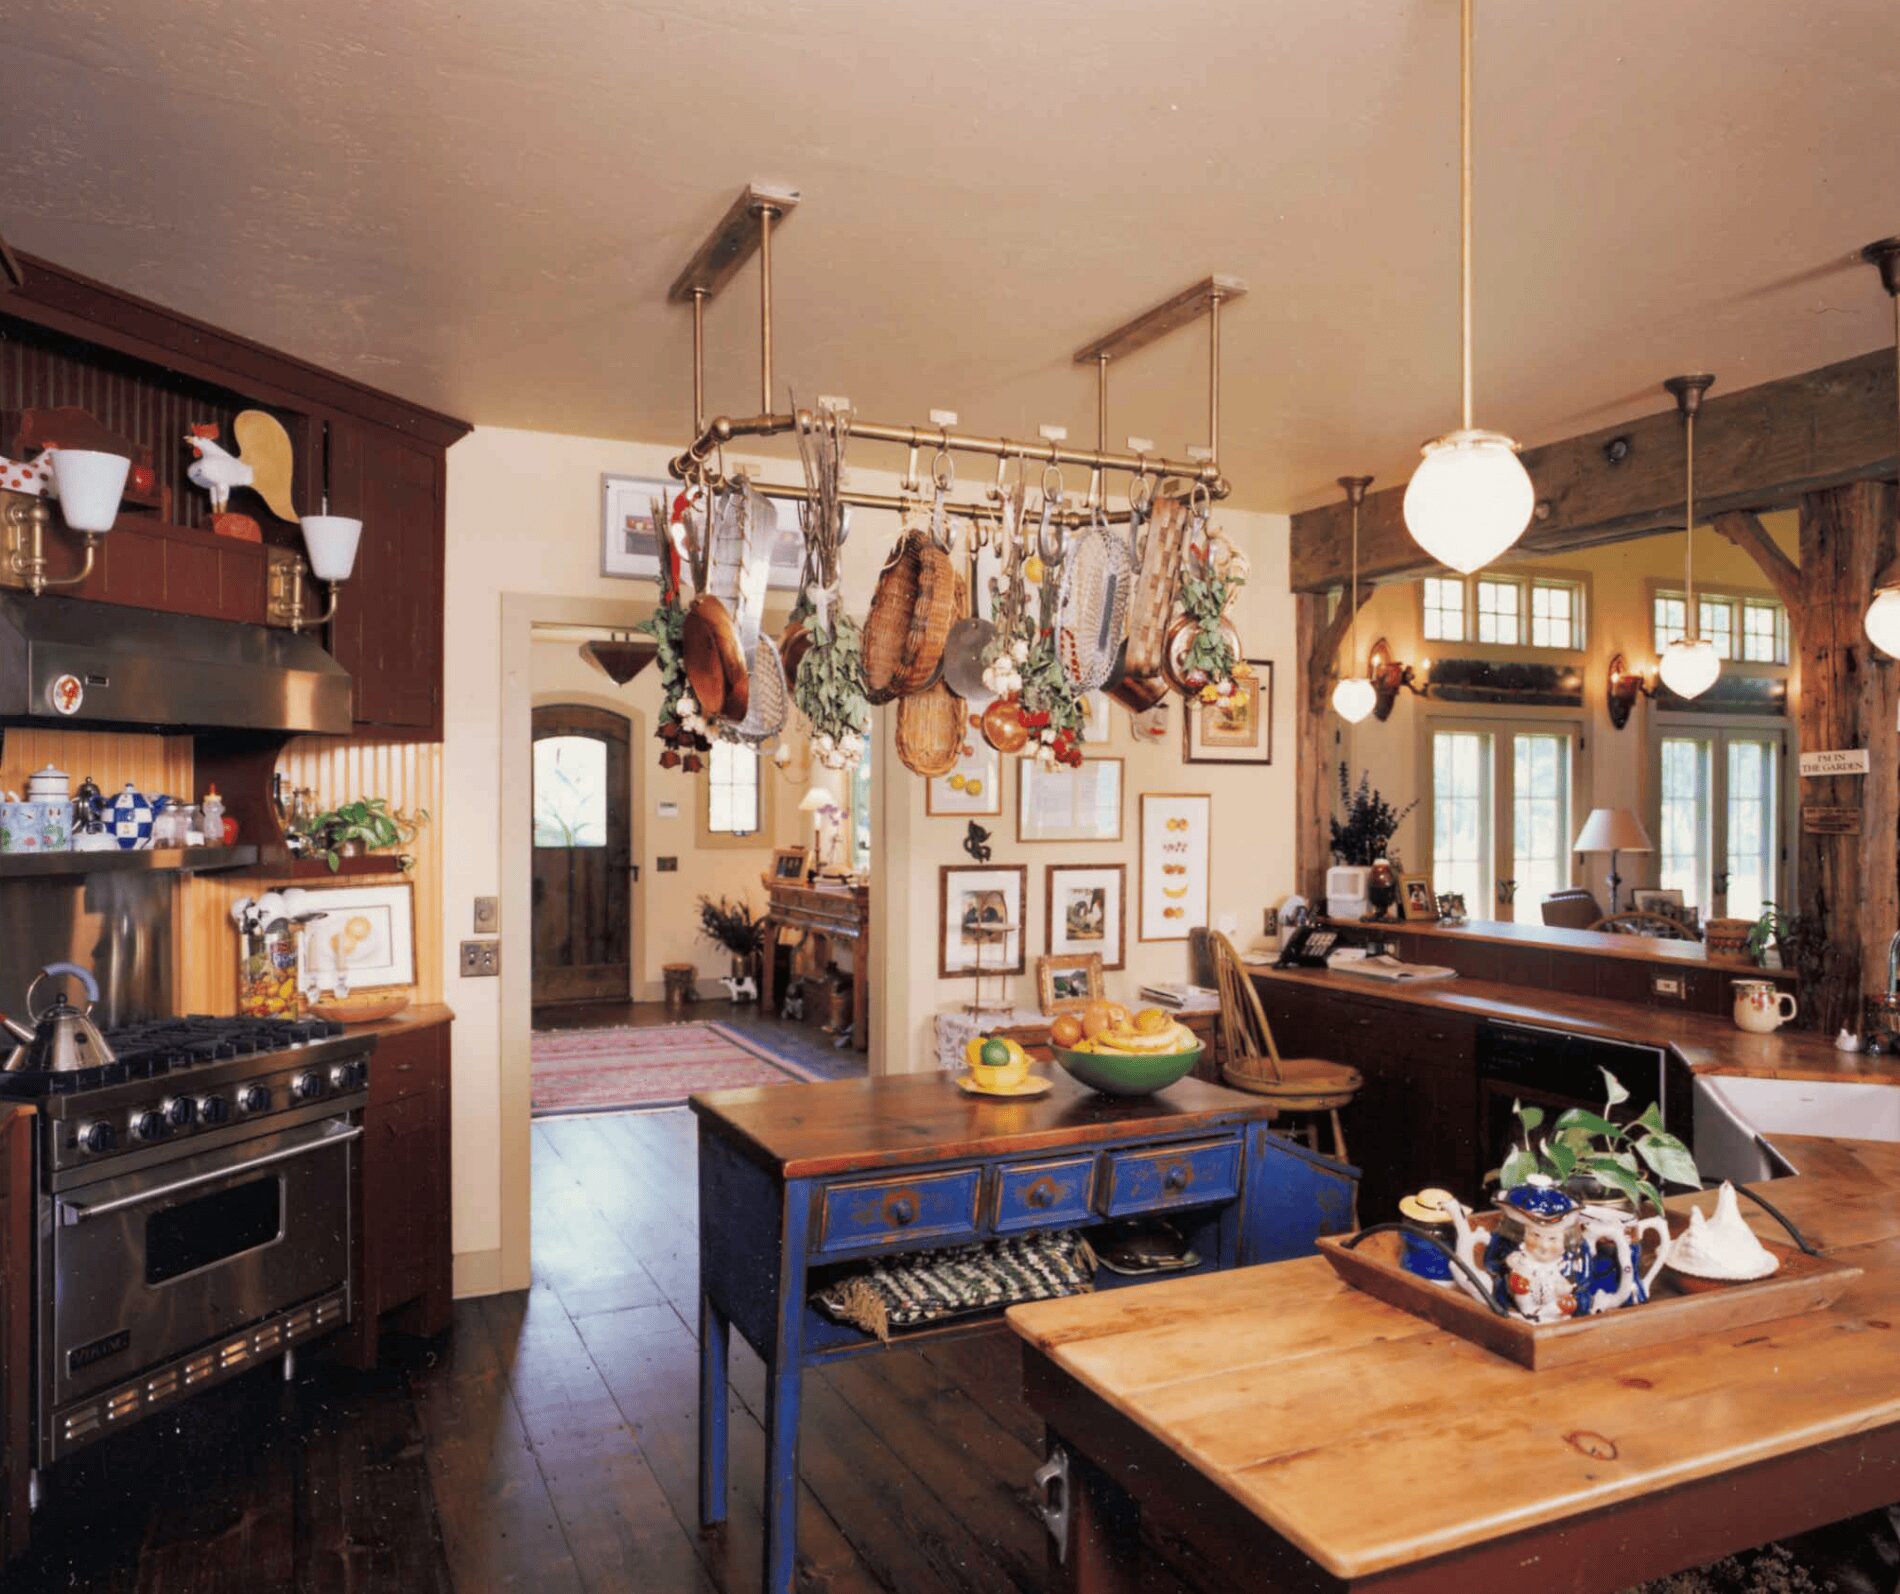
747	228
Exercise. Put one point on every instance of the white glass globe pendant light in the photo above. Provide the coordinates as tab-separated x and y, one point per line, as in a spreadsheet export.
1883	614
1689	664
1471	498
1354	698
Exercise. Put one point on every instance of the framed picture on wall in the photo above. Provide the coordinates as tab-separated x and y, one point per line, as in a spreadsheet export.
980	918
1086	905
367	934
1082	804
973	790
630	548
1237	729
1175	831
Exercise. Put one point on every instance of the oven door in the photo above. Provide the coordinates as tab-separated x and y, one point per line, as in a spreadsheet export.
152	1264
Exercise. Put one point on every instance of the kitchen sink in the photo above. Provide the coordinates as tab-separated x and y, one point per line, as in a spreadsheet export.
1735	1115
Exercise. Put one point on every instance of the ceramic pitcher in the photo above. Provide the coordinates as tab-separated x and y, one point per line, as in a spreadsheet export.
1761	1007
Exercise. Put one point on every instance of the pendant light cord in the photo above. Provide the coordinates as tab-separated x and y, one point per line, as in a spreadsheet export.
1464	191
1352	625
1692	628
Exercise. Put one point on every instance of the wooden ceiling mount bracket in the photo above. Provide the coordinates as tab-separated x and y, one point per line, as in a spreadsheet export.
733	241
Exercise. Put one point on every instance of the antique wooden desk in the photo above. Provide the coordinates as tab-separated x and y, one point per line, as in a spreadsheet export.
833	913
1275	1429
799	1182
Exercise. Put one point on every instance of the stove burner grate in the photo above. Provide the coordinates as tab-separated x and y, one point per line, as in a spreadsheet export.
162	1046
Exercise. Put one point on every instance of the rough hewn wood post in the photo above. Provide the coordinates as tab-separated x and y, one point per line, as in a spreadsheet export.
1849	697
1316	741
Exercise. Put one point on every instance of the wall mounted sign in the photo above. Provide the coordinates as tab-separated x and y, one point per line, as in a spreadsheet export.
1819	819
1851	761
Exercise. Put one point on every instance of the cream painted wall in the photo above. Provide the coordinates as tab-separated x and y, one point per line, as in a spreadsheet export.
523	540
1614	770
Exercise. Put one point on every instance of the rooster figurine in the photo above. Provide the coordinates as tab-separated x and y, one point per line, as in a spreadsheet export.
263	462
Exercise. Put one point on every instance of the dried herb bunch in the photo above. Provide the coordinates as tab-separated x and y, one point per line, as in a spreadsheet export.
829	691
1366	834
680	731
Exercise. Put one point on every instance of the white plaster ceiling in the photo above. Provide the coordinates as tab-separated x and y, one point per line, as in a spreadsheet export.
480	203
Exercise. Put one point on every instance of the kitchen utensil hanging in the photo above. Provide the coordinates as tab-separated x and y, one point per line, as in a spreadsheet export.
913	609
972	637
932	723
766	697
709	637
1092	605
1152	605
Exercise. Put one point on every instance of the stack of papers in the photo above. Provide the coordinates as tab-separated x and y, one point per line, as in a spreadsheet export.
1390	968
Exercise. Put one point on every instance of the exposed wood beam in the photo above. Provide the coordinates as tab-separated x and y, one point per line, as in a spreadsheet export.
1743	527
1760	448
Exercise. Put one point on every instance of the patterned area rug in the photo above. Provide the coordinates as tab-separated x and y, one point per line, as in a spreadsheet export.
598	1070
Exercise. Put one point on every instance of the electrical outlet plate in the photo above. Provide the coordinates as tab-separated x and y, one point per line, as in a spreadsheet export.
487	915
1667	985
481	960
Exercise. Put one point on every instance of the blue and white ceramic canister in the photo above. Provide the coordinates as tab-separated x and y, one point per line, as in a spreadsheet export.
129	819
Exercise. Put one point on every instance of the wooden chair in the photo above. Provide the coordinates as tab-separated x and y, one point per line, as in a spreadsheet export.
1654	925
1575	909
1300	1088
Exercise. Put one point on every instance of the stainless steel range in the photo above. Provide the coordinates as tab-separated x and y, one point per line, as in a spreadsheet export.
195	1212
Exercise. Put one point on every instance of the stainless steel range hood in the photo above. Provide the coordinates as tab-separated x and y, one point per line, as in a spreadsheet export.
137	668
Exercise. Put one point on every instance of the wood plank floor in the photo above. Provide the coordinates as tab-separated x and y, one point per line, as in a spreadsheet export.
549	1443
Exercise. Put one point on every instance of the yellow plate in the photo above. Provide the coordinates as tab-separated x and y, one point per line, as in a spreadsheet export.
1034	1085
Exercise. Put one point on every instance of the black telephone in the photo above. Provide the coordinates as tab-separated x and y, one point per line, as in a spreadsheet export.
1308	947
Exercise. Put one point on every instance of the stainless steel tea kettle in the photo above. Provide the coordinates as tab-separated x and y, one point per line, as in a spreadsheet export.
64	1038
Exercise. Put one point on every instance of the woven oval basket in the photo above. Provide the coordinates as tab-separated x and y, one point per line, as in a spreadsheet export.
1153	602
930	728
911	614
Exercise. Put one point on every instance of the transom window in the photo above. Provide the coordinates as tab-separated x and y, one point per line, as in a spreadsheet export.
1752	630
732	791
1503	611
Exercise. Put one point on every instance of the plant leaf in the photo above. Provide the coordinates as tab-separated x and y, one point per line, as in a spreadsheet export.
1529	1117
1611	1172
1651	1120
1518	1167
1670	1160
1562	1159
1613	1090
1592	1123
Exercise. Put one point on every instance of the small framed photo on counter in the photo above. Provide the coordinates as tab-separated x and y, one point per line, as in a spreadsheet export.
788	863
1069	982
1417	900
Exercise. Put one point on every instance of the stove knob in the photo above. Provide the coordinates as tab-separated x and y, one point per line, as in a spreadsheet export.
254	1098
348	1076
97	1138
179	1111
307	1086
213	1110
148	1125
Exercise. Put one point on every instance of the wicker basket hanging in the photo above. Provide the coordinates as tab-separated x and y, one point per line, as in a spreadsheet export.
911	614
1153	603
933	724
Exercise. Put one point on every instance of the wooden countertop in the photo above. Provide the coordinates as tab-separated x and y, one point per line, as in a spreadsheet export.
1372	1440
418	1015
1597	943
844	1125
1706	1044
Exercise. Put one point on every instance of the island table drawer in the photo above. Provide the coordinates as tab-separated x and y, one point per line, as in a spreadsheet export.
899	1212
1154	1178
1044	1194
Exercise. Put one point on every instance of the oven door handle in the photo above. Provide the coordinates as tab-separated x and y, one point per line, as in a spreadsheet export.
77	1212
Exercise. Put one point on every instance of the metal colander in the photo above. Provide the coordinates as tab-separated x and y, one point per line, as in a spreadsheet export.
1092	606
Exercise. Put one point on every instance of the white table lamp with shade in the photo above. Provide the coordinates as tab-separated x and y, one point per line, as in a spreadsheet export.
823	806
1613	830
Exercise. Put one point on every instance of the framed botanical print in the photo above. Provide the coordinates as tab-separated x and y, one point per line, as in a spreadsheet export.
366	936
1235	730
1087	910
1175	833
980	918
1083	804
972	790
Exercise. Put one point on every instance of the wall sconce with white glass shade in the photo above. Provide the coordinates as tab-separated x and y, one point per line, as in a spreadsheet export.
1883	614
1613	830
89	484
1354	697
1690	664
331	541
1471	498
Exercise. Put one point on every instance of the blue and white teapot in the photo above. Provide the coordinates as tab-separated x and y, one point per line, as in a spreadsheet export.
129	818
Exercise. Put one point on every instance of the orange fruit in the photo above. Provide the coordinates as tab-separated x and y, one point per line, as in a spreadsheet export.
1066	1030
1098	1018
1152	1021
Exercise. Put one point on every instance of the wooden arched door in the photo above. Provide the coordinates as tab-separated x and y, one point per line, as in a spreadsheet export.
583	859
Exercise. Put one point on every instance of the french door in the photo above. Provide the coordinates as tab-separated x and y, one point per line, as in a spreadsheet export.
1719	817
1503	808
583	919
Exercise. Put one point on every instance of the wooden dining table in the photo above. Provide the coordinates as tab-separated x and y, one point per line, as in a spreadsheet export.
1273	1428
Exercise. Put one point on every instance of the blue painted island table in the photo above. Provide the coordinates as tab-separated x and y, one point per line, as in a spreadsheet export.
800	1183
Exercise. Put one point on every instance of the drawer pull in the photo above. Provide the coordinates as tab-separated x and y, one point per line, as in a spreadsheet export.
902	1211
1042	1193
1176	1179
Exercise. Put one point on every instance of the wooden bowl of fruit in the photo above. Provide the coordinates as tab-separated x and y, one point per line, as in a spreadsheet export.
1123	1054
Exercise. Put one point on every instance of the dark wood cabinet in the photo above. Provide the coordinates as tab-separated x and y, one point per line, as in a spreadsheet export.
403	1265
16	1324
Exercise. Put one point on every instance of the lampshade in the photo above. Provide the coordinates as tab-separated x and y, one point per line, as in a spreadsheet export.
1883	621
1689	666
1353	699
90	485
1613	830
1469	500
817	800
332	541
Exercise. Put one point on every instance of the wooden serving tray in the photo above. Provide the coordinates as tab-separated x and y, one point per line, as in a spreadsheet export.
1802	1283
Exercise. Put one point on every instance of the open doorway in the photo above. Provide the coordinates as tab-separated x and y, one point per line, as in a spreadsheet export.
583	855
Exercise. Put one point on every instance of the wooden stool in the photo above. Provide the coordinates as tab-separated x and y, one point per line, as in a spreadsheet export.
1301	1088
680	988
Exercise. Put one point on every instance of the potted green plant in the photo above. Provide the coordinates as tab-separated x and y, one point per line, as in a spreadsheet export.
1365	835
1595	1159
349	830
733	925
1778	936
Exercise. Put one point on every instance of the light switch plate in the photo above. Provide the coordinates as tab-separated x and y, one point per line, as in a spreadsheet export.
487	915
481	960
666	865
